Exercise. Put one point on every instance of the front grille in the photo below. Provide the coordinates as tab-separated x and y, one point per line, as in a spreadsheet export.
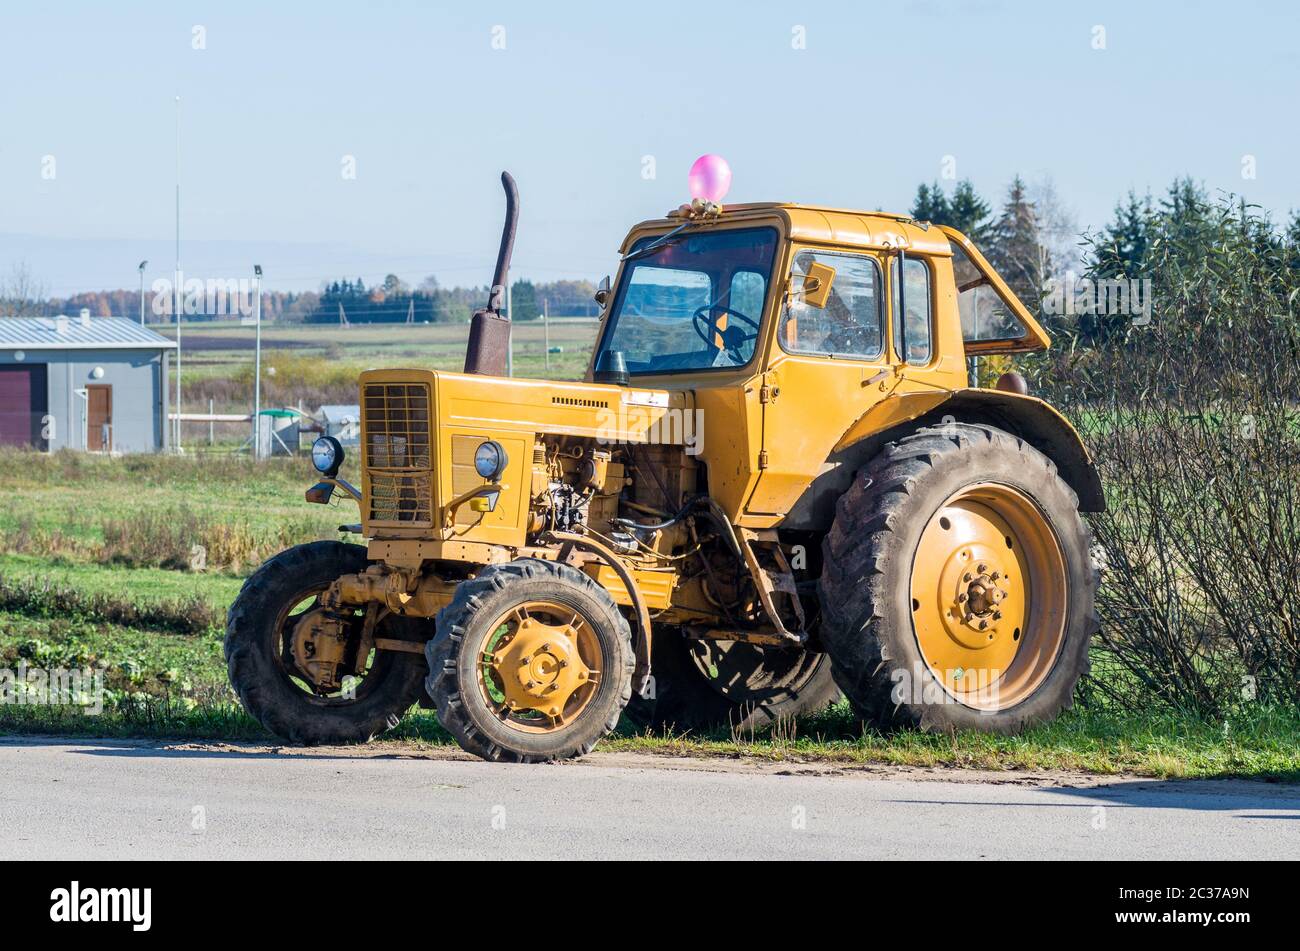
398	458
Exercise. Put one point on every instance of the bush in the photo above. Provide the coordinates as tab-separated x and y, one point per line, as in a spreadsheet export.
1194	422
182	539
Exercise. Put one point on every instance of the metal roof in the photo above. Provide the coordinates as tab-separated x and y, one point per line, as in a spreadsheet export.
341	412
74	333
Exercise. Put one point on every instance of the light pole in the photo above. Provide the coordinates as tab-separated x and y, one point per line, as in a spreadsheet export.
143	264
179	280
257	366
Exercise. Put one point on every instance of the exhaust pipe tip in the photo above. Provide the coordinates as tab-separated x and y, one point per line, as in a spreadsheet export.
489	330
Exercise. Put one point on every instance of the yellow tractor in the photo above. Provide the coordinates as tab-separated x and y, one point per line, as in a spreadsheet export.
774	484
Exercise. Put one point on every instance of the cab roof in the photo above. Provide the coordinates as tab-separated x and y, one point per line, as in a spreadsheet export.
817	224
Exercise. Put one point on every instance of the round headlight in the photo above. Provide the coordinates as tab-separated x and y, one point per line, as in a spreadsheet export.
490	460
327	455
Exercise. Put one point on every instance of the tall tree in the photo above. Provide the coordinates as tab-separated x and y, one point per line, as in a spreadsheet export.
931	204
1058	231
1015	250
21	294
523	299
1123	247
968	212
1186	211
1291	240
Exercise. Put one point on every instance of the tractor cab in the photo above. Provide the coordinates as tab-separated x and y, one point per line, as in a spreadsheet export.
788	325
714	290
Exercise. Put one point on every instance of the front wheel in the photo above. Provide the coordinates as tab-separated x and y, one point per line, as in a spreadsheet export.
959	587
532	661
297	667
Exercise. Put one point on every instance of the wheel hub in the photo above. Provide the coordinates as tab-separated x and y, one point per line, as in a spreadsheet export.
319	643
976	595
969	595
540	667
983	596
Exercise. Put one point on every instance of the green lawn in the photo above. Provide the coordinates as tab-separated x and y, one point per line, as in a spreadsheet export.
136	584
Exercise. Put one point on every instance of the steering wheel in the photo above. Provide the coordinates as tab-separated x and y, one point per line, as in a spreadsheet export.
705	322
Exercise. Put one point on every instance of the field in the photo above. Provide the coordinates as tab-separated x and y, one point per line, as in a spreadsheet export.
128	565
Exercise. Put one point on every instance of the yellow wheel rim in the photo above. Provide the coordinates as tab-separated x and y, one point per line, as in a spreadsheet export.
989	596
540	666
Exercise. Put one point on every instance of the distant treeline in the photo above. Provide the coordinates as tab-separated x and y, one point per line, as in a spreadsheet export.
388	302
394	302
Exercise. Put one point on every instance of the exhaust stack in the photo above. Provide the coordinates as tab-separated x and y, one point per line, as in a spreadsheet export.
489	329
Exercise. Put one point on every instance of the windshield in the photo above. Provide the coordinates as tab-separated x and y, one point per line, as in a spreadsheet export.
692	303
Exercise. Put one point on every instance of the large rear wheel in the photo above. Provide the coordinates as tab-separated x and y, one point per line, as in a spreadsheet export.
959	589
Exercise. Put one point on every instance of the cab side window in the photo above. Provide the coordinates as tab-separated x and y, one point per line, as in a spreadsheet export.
852	322
917	302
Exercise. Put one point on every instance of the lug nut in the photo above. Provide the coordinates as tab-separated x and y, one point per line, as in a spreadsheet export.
983	625
563	663
995	576
546	648
981	567
997	615
966	576
961	598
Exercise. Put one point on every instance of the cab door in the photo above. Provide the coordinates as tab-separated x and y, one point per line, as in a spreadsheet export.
825	371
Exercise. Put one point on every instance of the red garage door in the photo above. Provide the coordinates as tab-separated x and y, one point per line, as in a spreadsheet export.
22	405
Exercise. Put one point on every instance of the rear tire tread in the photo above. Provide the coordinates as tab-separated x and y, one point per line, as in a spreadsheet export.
857	626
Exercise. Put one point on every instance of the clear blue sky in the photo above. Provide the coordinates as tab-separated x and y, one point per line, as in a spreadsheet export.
581	92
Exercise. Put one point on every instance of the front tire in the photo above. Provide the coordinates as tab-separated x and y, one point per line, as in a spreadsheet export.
257	628
532	662
959	588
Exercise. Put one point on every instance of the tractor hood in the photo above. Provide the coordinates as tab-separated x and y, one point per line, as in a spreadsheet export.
420	430
605	412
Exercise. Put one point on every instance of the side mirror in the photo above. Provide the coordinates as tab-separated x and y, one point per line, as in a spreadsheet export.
817	283
602	291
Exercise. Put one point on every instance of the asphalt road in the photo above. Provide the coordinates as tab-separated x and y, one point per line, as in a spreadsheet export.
74	799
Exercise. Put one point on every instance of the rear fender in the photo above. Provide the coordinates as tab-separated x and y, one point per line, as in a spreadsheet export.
1033	420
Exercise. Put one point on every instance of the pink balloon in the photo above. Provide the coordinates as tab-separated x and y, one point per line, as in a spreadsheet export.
710	177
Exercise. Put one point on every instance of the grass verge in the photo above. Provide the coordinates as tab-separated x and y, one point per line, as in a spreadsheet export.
1261	748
